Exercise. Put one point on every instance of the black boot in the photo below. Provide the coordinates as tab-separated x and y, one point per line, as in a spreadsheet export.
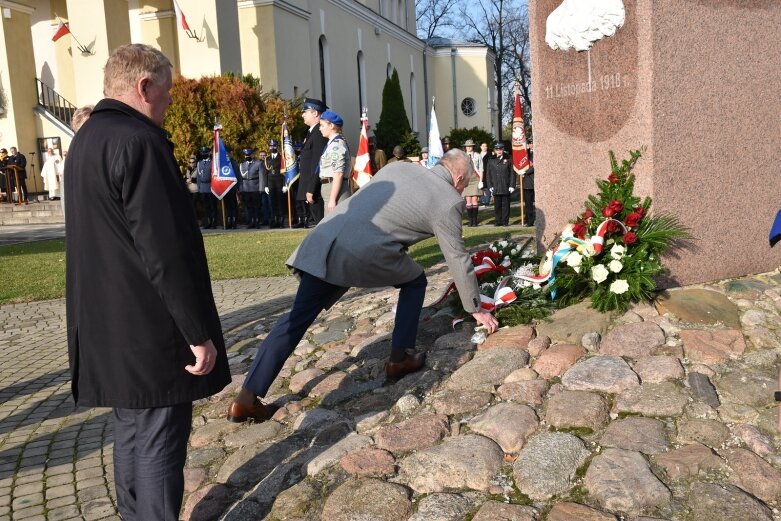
474	216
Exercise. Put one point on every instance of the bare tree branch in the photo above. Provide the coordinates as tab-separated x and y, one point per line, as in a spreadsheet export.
434	17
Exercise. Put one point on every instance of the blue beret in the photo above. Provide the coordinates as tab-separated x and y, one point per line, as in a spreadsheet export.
333	117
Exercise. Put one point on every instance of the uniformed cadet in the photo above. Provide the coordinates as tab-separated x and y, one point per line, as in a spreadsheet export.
204	178
334	161
501	181
472	191
250	171
275	184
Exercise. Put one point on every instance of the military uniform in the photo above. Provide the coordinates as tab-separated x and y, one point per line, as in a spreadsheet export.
231	199
501	178
204	180
251	179
275	181
335	160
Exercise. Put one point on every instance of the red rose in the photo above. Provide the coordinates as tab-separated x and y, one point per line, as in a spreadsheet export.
588	214
612	227
640	211
612	178
630	238
608	211
616	205
579	230
633	219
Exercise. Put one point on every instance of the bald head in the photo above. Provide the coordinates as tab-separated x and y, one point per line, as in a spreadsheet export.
460	167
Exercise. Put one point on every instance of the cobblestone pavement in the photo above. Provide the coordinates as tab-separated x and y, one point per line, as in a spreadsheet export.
56	459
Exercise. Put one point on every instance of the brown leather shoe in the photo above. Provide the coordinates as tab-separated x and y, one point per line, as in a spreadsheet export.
412	362
259	412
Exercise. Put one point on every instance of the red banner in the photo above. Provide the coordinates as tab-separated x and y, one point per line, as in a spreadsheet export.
520	152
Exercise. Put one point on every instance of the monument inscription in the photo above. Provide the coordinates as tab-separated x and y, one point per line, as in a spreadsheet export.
588	94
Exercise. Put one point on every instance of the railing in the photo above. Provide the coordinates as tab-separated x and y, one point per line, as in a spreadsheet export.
54	104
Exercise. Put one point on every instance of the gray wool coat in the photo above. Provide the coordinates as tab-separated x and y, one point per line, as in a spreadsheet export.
364	241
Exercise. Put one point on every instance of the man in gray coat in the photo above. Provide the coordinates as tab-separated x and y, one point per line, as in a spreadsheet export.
363	243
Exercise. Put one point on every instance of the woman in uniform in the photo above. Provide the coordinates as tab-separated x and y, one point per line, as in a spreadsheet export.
334	162
472	192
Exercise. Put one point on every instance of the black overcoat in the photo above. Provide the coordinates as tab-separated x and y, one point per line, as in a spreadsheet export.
138	292
500	175
308	164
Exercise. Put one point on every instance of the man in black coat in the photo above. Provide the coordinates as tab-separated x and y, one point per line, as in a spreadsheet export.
527	182
309	163
275	184
144	336
17	159
501	182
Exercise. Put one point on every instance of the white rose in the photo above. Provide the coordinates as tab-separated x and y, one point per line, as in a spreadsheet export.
574	259
577	269
503	244
615	266
513	252
599	273
547	264
493	248
617	251
536	286
619	286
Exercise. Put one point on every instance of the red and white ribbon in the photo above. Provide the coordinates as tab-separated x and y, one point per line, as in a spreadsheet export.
598	239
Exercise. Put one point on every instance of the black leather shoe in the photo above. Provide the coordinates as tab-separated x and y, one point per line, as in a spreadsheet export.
238	413
411	363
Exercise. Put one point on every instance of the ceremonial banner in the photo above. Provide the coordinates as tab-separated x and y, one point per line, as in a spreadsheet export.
362	172
223	176
775	230
289	163
520	153
435	151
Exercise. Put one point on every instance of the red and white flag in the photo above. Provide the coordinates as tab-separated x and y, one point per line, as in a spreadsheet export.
62	30
181	20
520	151
362	172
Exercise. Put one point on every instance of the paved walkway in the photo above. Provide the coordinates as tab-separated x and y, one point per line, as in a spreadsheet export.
56	459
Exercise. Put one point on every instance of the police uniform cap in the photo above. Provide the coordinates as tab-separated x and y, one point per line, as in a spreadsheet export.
333	117
273	143
315	104
499	146
205	150
247	151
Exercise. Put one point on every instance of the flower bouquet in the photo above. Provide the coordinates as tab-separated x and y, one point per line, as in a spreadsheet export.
613	251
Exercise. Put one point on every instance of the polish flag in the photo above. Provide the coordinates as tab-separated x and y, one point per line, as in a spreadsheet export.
180	16
362	173
62	30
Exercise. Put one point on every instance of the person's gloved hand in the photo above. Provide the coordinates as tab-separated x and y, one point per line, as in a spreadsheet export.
267	190
511	189
284	189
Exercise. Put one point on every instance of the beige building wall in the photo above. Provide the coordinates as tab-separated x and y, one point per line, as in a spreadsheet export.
217	49
17	76
156	22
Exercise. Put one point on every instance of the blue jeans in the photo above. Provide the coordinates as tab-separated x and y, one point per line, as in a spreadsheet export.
313	296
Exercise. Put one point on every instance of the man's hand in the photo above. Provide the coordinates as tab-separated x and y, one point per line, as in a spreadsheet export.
205	358
486	319
267	190
511	189
310	198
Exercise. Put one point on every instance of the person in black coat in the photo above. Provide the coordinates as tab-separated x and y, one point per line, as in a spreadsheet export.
308	196
501	182
204	180
143	332
16	158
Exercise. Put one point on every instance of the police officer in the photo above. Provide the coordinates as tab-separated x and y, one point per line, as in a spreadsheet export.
501	181
265	198
275	184
231	198
204	179
250	172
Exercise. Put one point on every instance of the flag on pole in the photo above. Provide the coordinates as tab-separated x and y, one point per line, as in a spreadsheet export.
520	152
362	172
180	19
223	175
435	151
62	30
289	163
775	230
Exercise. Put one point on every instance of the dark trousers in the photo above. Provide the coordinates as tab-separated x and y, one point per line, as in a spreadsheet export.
209	205
317	208
251	206
265	207
313	296
528	206
150	448
502	209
